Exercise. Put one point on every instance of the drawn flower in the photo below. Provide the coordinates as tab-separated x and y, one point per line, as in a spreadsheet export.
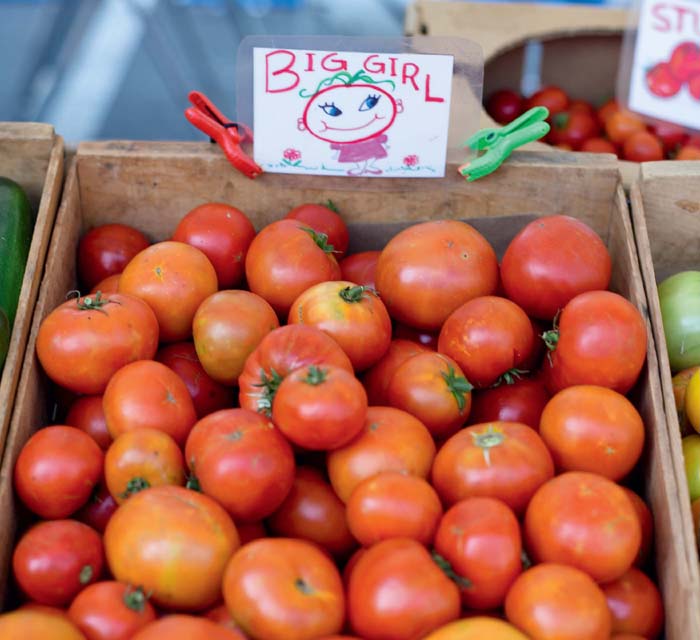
411	161
291	155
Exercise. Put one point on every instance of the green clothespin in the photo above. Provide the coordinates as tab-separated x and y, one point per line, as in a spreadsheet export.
497	144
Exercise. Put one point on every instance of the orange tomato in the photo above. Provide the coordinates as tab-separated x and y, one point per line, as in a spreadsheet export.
635	604
38	624
688	152
477	628
621	125
680	386
109	285
184	627
646	522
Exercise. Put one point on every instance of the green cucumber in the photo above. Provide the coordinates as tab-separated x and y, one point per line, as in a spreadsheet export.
15	237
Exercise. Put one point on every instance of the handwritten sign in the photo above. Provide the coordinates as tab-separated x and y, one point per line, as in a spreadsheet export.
665	74
351	113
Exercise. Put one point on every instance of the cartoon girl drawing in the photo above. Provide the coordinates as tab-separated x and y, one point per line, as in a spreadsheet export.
352	113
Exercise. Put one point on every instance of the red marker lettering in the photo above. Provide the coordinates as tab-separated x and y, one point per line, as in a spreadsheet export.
372	66
428	97
279	79
329	63
410	76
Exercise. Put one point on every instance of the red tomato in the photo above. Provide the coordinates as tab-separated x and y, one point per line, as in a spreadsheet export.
284	260
694	141
393	505
487	337
586	521
111	611
672	136
311	511
661	80
607	110
223	234
207	395
635	604
352	315
320	407
184	627
581	106
109	285
432	387
84	341
504	460
427	339
694	86
360	268
480	539
602	340
553	98
87	414
55	560
598	145
621	125
226	329
397	586
688	153
241	460
248	531
221	616
56	471
555	601
685	61
551	261
281	588
522	401
642	146
477	628
573	128
504	106
148	395
279	353
324	219
38	624
646	522
376	379
174	543
174	278
589	428
98	510
391	440
106	250
430	269
140	459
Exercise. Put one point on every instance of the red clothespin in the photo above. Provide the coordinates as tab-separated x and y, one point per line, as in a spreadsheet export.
207	118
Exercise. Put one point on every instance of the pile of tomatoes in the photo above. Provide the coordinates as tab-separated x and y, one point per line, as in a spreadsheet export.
267	438
576	125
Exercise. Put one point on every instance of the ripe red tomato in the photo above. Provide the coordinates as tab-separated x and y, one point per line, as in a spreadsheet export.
646	522
688	153
556	601
694	85
360	268
284	260
635	604
98	509
174	543
242	461
425	338
662	82
642	146
573	128
106	250
207	394
320	407
248	531
324	219
377	378
432	387
602	340
86	413
694	141
581	106
84	341
504	460
111	611
598	145
109	285
184	627
672	136
607	110
55	560
391	440
487	337
148	395
280	588
425	600
551	97
522	401
311	511
685	61
56	471
589	428
427	271
504	106
221	616
226	329
620	125
38	623
480	539
174	278
223	234
477	628
551	261
140	459
586	521
279	353
391	504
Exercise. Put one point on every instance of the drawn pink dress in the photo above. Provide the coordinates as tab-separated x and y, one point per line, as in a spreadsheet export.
362	150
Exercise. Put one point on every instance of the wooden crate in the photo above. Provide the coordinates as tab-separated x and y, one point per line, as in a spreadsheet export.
31	155
152	185
666	214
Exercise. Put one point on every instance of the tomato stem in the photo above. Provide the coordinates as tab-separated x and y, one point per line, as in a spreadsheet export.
321	239
525	560
135	599
269	385
303	586
92	303
487	440
134	486
446	568
459	386
193	483
332	206
510	377
355	294
85	574
315	376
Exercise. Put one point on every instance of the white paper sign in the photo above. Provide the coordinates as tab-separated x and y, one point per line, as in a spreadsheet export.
351	113
665	74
